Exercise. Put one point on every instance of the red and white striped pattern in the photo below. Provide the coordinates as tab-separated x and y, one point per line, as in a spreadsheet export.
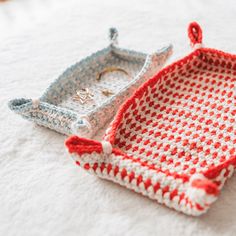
174	140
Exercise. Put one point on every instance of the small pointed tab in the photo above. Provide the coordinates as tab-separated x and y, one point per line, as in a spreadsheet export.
82	145
113	36
195	35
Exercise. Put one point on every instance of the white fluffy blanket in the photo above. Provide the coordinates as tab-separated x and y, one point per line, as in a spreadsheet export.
42	192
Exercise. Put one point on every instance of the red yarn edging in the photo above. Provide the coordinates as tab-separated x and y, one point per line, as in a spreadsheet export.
195	33
82	145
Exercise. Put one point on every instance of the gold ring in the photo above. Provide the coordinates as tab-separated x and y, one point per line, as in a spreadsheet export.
111	69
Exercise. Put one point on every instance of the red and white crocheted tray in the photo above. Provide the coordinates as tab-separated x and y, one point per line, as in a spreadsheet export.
174	140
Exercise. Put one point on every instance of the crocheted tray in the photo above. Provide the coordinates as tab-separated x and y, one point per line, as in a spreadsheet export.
174	140
87	94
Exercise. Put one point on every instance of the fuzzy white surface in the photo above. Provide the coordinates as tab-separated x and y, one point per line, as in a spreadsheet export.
42	192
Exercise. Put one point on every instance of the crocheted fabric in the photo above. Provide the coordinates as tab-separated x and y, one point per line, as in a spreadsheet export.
174	140
57	109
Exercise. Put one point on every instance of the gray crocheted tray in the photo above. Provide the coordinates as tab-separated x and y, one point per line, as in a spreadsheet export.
87	94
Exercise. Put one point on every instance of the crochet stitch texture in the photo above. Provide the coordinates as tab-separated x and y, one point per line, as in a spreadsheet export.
174	140
57	110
